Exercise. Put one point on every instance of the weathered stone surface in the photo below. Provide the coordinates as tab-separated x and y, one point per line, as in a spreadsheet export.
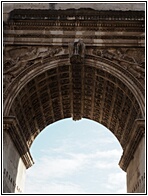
97	6
14	169
50	75
136	170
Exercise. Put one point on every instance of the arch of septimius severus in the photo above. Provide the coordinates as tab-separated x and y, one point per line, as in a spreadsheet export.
74	60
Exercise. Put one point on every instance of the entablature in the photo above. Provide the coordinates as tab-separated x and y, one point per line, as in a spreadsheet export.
96	28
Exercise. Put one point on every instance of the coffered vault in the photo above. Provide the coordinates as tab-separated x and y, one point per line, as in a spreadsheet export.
75	63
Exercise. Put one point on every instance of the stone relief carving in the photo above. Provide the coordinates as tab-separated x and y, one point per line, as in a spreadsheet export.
18	58
77	51
130	59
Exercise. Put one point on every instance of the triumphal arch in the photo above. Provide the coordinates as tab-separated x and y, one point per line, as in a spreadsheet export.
79	63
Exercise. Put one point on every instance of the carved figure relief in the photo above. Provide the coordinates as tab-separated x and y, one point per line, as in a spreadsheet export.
77	51
130	59
18	58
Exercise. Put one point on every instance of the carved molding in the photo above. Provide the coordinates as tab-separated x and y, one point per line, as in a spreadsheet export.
38	35
131	59
133	140
64	59
71	18
75	14
69	27
80	90
120	68
11	125
17	59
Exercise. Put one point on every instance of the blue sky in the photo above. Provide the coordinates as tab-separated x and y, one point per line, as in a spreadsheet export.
75	157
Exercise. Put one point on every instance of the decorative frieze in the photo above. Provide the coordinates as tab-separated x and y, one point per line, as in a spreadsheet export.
131	59
95	27
17	59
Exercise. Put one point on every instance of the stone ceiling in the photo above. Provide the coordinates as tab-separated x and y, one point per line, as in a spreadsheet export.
78	91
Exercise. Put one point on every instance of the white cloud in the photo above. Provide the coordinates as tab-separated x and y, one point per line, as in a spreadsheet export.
113	154
48	169
117	180
109	154
105	165
92	143
54	188
59	167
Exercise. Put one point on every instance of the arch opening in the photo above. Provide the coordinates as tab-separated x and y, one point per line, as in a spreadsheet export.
88	92
75	157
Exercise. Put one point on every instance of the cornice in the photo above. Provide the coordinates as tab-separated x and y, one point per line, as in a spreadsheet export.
71	25
88	19
75	14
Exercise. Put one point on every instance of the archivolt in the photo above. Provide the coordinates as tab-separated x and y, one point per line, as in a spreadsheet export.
54	90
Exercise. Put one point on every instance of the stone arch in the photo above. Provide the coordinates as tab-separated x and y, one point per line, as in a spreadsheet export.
104	65
99	90
101	85
43	84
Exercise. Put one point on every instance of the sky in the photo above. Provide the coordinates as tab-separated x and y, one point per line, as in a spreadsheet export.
75	157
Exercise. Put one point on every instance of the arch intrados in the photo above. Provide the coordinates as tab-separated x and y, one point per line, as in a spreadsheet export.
38	69
100	63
